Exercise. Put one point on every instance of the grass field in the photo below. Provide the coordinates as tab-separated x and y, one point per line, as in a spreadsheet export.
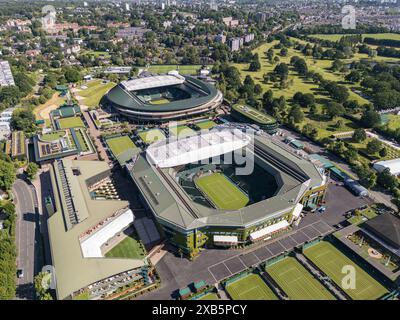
209	296
182	131
331	261
337	37
254	114
129	248
95	90
251	287
208	124
120	144
183	69
152	135
52	136
159	101
71	122
222	192
297	282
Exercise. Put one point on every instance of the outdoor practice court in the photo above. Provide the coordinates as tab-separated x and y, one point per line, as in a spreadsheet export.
297	282
331	261
222	192
250	287
120	144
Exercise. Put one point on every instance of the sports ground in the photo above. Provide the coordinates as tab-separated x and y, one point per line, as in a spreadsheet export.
152	135
331	261
182	131
250	287
209	296
297	282
129	248
71	122
222	192
208	124
120	144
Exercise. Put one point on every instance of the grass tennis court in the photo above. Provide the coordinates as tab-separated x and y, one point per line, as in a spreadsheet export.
152	135
222	192
129	248
120	144
81	139
209	296
159	101
331	261
52	136
182	131
297	282
250	287
208	124
253	114
71	122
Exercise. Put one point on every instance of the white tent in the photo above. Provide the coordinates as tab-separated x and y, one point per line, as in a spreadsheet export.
393	166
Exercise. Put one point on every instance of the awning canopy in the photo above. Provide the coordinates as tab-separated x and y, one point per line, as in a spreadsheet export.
268	230
297	210
225	240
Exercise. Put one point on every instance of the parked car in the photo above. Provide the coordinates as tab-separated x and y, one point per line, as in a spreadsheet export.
20	273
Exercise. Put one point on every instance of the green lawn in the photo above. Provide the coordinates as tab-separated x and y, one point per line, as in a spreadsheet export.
183	69
182	131
152	135
120	144
71	122
159	101
52	136
96	89
222	192
337	37
251	287
331	261
209	296
129	248
297	282
205	125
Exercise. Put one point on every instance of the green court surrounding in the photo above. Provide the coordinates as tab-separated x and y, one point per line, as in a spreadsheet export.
333	262
222	192
71	122
250	287
182	131
152	135
129	248
297	282
120	144
205	125
209	296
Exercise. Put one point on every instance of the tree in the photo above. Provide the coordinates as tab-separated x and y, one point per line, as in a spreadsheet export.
383	152
374	146
72	75
7	175
371	118
23	119
353	76
359	135
282	70
296	114
387	180
334	109
31	170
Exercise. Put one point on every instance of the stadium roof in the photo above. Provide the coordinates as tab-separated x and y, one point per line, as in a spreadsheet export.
170	202
393	166
73	271
153	82
120	97
178	151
